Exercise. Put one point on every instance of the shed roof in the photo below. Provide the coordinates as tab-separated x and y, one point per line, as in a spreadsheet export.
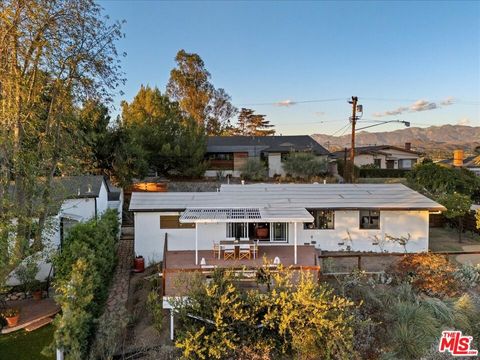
281	196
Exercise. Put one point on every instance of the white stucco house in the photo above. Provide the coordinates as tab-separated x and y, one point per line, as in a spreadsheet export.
80	198
331	217
228	154
383	156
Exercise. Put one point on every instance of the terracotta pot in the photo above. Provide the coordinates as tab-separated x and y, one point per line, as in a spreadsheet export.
12	321
37	295
262	232
139	264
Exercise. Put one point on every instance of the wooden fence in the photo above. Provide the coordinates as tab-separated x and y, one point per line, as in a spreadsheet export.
360	256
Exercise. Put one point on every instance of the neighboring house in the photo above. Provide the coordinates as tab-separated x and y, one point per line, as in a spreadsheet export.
228	154
382	156
84	197
471	163
332	217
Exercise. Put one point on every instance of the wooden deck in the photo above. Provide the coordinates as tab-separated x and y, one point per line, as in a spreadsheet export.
181	260
32	311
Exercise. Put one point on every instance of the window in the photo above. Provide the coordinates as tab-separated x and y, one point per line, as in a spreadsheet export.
237	230
172	222
406	163
322	219
279	232
377	163
369	219
220	156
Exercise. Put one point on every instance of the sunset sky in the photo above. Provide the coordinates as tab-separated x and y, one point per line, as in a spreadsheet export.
298	62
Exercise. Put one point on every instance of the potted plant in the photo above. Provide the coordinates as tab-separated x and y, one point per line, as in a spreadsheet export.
36	289
11	315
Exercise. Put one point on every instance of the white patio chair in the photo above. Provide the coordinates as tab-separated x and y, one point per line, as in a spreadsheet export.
244	251
254	249
228	252
216	250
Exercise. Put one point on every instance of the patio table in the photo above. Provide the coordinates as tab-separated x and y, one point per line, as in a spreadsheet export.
235	243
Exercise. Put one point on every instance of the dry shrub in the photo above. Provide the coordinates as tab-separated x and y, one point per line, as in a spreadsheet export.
428	273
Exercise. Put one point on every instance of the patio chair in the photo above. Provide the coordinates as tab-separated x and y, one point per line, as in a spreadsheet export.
254	249
229	252
216	250
244	251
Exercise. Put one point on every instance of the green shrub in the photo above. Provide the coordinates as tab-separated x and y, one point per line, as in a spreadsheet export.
254	169
304	165
382	173
83	271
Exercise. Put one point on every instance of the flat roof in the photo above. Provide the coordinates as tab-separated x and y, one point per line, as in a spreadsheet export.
279	196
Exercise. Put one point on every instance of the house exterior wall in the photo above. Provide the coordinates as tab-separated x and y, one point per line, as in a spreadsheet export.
275	166
368	159
149	237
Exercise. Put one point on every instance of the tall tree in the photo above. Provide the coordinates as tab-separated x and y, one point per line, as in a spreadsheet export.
190	86
174	143
53	55
252	124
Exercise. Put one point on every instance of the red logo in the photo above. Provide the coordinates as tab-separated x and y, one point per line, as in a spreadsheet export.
457	344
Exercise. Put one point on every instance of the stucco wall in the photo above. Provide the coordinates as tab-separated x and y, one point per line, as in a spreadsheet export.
149	238
275	166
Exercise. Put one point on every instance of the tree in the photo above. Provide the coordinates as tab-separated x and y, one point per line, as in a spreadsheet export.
190	86
458	206
53	55
434	180
298	318
173	143
251	124
304	165
254	169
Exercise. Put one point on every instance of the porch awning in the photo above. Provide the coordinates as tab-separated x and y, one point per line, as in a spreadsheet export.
245	215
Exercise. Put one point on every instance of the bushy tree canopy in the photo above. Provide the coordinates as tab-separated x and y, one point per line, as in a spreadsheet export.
304	165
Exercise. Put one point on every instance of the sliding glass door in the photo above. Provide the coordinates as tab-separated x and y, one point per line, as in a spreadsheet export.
279	232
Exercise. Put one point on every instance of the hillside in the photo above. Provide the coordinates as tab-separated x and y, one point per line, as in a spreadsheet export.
436	141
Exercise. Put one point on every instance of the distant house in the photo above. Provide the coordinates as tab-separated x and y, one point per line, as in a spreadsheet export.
80	198
228	154
383	156
471	162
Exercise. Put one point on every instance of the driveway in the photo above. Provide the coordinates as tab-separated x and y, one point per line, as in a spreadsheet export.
473	259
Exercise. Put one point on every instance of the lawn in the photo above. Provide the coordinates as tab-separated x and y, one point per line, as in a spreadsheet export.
22	345
446	239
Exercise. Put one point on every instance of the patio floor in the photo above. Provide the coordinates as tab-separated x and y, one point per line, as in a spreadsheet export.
32	311
186	259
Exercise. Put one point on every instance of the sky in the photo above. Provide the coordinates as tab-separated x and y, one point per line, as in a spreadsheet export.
299	62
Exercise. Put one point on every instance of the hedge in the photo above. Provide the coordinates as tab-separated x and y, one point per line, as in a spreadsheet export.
383	173
84	269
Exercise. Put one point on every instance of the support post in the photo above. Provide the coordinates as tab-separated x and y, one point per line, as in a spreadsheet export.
196	244
59	354
172	330
295	243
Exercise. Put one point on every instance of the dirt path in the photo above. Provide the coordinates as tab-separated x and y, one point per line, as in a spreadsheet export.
473	259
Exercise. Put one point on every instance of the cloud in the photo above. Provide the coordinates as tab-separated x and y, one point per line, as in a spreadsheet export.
419	105
448	101
464	121
319	113
422	105
286	103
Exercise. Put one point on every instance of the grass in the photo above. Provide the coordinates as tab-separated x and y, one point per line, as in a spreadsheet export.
22	345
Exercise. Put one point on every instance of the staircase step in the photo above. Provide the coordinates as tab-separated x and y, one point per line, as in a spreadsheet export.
38	324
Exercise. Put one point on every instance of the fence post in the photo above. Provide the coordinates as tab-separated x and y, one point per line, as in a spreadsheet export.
359	259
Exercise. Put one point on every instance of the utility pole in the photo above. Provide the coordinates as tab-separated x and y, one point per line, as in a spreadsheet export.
353	120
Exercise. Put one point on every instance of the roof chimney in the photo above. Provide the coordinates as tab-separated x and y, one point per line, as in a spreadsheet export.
458	158
408	146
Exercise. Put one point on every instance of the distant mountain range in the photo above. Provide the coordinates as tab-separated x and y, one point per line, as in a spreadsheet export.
435	141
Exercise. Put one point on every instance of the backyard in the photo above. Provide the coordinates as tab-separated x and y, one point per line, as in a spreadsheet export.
22	345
